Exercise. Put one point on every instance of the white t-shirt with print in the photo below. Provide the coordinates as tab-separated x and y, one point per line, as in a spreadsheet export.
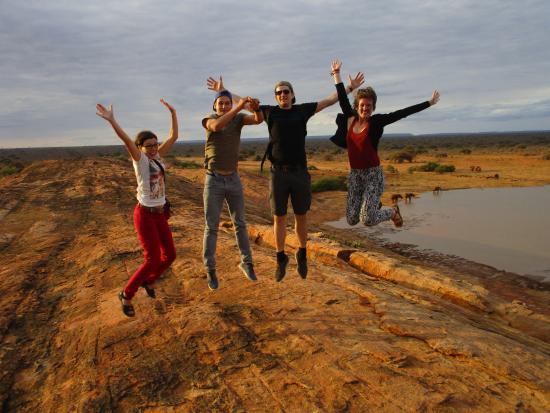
150	180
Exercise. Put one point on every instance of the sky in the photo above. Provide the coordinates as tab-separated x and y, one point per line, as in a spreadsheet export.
490	60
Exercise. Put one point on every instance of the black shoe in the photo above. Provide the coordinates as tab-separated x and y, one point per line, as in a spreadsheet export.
127	307
248	269
280	272
149	290
301	261
212	279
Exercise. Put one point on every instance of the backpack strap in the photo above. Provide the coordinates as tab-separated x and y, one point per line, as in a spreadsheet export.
267	154
161	168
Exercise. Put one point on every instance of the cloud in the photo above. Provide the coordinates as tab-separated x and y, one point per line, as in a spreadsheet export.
490	61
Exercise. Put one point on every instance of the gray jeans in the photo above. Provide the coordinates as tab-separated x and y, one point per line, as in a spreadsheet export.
218	188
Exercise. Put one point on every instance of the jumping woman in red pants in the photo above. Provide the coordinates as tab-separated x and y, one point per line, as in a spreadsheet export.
152	210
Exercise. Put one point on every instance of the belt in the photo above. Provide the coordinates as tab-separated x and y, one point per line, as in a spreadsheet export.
153	210
288	168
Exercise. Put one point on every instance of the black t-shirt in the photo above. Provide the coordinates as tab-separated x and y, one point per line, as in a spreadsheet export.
287	132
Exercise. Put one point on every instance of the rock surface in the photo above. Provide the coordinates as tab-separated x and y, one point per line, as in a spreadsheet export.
367	331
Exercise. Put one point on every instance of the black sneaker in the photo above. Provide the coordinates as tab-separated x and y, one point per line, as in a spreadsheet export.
149	290
127	307
212	279
301	261
248	270
280	272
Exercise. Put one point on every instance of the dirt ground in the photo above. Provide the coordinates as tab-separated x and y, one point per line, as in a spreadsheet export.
371	329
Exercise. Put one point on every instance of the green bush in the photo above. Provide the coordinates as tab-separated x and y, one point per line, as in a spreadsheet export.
400	157
391	169
8	170
337	183
246	153
187	165
445	168
312	168
428	167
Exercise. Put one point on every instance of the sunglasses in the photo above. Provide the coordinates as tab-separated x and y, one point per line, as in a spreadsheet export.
152	145
282	92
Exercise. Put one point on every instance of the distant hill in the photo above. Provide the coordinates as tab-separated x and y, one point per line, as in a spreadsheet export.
195	147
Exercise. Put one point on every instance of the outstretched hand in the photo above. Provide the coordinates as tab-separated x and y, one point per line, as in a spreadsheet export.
335	66
435	98
253	104
215	85
103	112
356	81
169	106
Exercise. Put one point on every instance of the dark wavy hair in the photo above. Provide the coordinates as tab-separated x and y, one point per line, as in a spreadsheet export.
143	136
366	93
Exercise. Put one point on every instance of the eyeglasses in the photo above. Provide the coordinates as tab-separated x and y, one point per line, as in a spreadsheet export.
151	145
282	92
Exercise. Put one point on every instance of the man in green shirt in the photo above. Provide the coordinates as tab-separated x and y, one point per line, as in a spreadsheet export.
222	181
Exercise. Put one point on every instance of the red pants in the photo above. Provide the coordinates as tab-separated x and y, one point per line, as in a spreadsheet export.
158	248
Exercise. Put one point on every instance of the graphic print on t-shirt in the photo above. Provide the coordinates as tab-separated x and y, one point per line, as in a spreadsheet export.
156	181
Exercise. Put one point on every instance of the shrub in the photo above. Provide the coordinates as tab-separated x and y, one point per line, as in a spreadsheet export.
337	183
428	167
312	168
445	168
187	165
258	158
546	157
400	157
8	170
328	157
441	155
411	169
466	151
357	244
391	169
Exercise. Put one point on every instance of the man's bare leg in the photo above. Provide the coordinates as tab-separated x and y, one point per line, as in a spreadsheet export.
300	226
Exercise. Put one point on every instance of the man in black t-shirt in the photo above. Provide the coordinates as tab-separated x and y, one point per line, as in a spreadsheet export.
289	175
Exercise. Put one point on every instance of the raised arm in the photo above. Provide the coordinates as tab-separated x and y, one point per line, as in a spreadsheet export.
353	84
218	86
109	116
221	122
392	117
343	91
257	117
173	136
